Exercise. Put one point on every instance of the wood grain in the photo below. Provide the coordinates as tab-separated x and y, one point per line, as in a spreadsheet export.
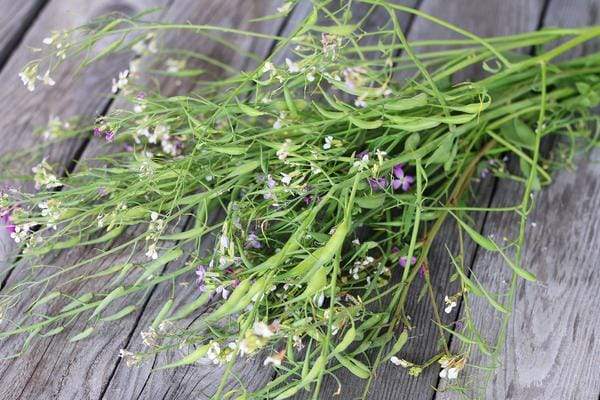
551	341
15	19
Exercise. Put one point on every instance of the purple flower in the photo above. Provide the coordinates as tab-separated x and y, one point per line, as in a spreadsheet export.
109	136
378	183
422	271
401	180
404	261
252	242
362	154
6	222
97	132
200	275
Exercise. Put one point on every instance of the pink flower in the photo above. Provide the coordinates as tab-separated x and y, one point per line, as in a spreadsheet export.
401	180
404	261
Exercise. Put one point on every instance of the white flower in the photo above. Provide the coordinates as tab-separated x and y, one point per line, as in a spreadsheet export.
400	362
213	352
297	342
152	253
46	79
286	179
356	242
283	151
328	142
285	8
449	373
262	329
130	358
360	103
450	304
28	76
121	82
174	65
274	359
292	66
268	67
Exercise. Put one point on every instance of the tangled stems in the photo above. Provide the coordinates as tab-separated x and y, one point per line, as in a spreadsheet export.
332	177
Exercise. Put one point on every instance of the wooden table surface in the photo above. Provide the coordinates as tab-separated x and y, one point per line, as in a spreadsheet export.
553	347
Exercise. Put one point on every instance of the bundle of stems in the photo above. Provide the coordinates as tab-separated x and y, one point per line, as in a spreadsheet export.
290	209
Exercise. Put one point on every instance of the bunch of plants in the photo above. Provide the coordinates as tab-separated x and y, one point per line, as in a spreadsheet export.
291	209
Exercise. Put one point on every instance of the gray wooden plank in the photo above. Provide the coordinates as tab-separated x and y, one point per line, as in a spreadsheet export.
15	19
551	348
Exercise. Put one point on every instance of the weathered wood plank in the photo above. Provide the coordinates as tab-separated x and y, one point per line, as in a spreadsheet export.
551	348
15	19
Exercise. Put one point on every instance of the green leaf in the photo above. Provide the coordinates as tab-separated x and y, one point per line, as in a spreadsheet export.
402	339
371	202
412	142
249	111
339	30
365	124
82	335
443	152
478	238
419	100
189	359
518	133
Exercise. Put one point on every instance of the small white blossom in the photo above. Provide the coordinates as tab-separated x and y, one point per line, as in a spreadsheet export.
286	179
285	8
400	362
121	82
328	142
174	65
262	329
152	252
450	304
292	66
274	359
46	80
28	76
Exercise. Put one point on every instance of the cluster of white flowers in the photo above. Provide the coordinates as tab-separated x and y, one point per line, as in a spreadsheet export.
150	337
121	82
450	303
51	210
283	151
130	358
55	128
279	121
362	163
29	76
58	39
21	232
44	176
360	265
220	356
257	337
451	366
155	228
146	46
